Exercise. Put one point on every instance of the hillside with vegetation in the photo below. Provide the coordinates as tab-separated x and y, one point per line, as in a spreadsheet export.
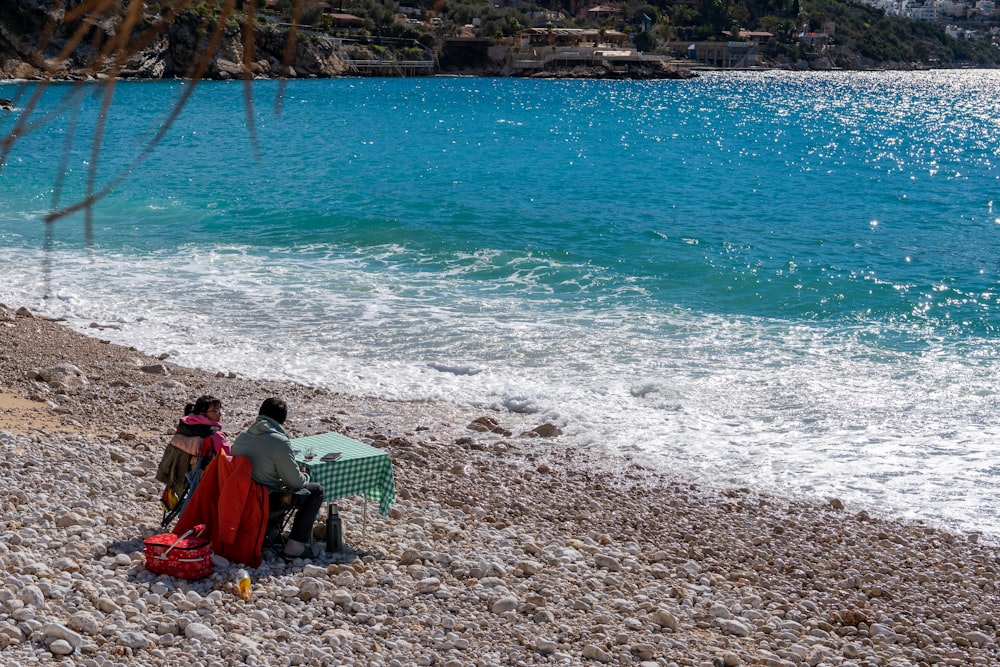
209	38
870	34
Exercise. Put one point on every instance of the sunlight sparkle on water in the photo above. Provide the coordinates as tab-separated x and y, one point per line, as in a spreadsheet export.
677	272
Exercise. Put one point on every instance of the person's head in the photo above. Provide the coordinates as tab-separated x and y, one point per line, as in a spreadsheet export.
207	406
275	408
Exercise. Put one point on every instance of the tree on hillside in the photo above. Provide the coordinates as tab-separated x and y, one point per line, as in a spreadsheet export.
890	38
643	41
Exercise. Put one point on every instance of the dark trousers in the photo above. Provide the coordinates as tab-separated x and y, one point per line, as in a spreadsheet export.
306	510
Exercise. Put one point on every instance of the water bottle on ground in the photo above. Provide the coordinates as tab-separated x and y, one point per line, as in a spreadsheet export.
243	584
334	529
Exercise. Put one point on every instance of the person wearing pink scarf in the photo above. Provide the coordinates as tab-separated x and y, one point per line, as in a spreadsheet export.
201	419
198	439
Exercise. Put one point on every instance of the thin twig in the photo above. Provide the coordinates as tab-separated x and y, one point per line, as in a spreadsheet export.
110	54
249	38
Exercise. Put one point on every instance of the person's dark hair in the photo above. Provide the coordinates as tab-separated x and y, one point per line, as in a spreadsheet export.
275	408
201	405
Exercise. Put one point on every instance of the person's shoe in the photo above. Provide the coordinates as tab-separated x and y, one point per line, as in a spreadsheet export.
296	549
312	552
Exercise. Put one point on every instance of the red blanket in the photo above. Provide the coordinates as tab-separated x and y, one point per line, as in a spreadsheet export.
233	508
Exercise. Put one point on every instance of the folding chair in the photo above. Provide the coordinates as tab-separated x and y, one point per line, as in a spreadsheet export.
193	478
278	519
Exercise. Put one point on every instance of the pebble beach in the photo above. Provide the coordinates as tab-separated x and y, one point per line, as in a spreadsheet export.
504	546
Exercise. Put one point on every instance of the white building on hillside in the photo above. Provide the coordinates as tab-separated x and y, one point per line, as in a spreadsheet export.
958	9
934	10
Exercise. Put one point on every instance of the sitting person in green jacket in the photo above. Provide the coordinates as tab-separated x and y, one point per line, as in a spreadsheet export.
268	446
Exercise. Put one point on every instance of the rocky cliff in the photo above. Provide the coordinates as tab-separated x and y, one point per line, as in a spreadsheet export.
177	49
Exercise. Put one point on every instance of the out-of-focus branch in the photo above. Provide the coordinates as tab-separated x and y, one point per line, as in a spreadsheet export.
116	34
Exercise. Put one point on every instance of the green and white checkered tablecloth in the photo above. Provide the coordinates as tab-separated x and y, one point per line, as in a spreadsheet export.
361	470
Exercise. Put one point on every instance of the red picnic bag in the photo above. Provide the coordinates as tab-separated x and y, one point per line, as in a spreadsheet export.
180	556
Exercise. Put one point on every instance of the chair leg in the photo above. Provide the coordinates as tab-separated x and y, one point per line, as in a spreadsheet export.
277	525
274	538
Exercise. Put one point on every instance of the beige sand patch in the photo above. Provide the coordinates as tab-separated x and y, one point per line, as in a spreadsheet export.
19	415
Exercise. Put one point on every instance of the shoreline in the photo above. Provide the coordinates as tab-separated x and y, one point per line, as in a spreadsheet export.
684	72
501	548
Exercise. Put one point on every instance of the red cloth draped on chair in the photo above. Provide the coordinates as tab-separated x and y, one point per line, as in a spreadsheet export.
232	506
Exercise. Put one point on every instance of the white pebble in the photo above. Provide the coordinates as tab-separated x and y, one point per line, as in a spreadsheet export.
429	585
199	631
504	605
59	631
733	627
32	596
60	647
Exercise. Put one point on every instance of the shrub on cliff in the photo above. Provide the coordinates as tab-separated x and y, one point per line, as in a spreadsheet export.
643	41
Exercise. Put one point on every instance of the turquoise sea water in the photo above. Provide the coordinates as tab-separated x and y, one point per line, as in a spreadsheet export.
778	280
